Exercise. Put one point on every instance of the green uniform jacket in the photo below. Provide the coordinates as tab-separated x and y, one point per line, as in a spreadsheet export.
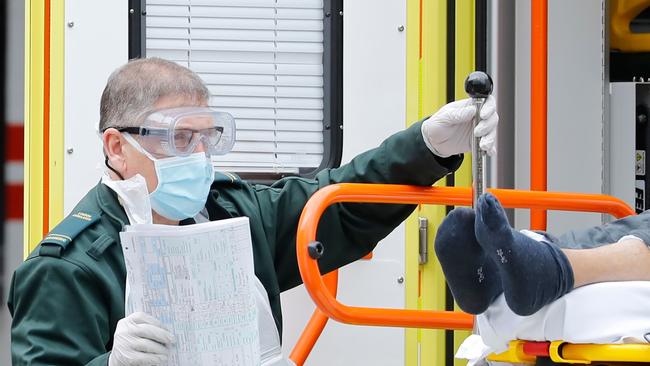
68	296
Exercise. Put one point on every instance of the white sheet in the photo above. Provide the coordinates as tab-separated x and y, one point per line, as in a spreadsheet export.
603	313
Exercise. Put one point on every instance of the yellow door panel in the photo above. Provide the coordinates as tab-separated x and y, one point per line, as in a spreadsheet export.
426	92
44	93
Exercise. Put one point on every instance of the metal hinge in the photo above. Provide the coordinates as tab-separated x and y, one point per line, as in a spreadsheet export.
423	228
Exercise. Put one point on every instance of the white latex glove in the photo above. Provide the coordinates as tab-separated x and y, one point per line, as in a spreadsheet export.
140	340
449	131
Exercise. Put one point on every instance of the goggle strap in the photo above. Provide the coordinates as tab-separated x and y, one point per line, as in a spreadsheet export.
135	130
137	146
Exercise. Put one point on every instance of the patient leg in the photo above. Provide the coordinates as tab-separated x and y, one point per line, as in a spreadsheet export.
532	273
627	260
472	276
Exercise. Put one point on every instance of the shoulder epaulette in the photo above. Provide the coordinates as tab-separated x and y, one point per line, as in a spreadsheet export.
221	177
55	242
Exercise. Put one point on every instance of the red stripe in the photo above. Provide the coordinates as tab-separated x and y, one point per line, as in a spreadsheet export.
14	143
537	349
14	202
46	119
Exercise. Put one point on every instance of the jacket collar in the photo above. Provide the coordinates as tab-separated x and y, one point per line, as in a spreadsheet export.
109	204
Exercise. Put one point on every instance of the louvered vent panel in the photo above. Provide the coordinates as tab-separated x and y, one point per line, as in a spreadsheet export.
263	62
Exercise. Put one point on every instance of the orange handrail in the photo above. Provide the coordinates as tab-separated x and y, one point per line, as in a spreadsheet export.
315	326
538	105
324	294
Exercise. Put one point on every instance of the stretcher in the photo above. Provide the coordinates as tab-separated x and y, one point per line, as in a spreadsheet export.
620	307
322	289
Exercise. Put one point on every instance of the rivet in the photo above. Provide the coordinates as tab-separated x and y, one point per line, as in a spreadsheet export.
400	279
70	24
70	150
131	11
400	28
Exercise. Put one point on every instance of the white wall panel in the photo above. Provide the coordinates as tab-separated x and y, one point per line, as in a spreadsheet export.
95	45
374	92
575	105
622	141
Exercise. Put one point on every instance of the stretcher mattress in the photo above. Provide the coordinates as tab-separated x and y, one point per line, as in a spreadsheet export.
603	313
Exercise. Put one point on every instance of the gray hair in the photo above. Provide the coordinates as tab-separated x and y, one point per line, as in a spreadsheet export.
134	88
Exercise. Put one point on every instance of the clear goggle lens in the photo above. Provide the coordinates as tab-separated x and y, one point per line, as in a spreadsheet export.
186	140
180	131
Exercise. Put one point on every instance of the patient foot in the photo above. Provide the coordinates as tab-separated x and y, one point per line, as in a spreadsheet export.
533	273
471	275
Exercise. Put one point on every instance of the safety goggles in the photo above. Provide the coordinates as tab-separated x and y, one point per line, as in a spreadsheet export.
179	131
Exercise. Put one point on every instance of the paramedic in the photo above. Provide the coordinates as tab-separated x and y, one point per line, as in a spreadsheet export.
158	134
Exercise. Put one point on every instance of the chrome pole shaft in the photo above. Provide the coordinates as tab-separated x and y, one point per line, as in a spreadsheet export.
478	158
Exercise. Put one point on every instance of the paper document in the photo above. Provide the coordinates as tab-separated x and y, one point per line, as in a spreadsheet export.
198	281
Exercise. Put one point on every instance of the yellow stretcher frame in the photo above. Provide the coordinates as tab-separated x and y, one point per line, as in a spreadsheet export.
621	38
580	354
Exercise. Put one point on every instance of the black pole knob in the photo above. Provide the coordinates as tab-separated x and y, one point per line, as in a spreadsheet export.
478	85
315	249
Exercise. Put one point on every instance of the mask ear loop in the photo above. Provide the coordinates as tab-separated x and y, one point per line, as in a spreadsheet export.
111	168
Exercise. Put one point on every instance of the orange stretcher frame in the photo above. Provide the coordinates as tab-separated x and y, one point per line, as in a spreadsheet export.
323	289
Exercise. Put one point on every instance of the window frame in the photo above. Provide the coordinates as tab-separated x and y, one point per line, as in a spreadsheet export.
332	79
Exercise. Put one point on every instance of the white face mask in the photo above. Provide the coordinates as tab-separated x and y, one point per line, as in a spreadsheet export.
183	183
133	196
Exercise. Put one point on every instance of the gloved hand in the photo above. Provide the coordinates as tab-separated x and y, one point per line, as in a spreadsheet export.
449	131
140	340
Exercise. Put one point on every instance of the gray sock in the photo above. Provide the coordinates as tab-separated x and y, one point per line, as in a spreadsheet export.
470	274
533	273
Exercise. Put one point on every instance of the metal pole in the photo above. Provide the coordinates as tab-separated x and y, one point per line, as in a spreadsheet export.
479	86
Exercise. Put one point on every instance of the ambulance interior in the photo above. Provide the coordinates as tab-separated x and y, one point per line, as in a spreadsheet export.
312	83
